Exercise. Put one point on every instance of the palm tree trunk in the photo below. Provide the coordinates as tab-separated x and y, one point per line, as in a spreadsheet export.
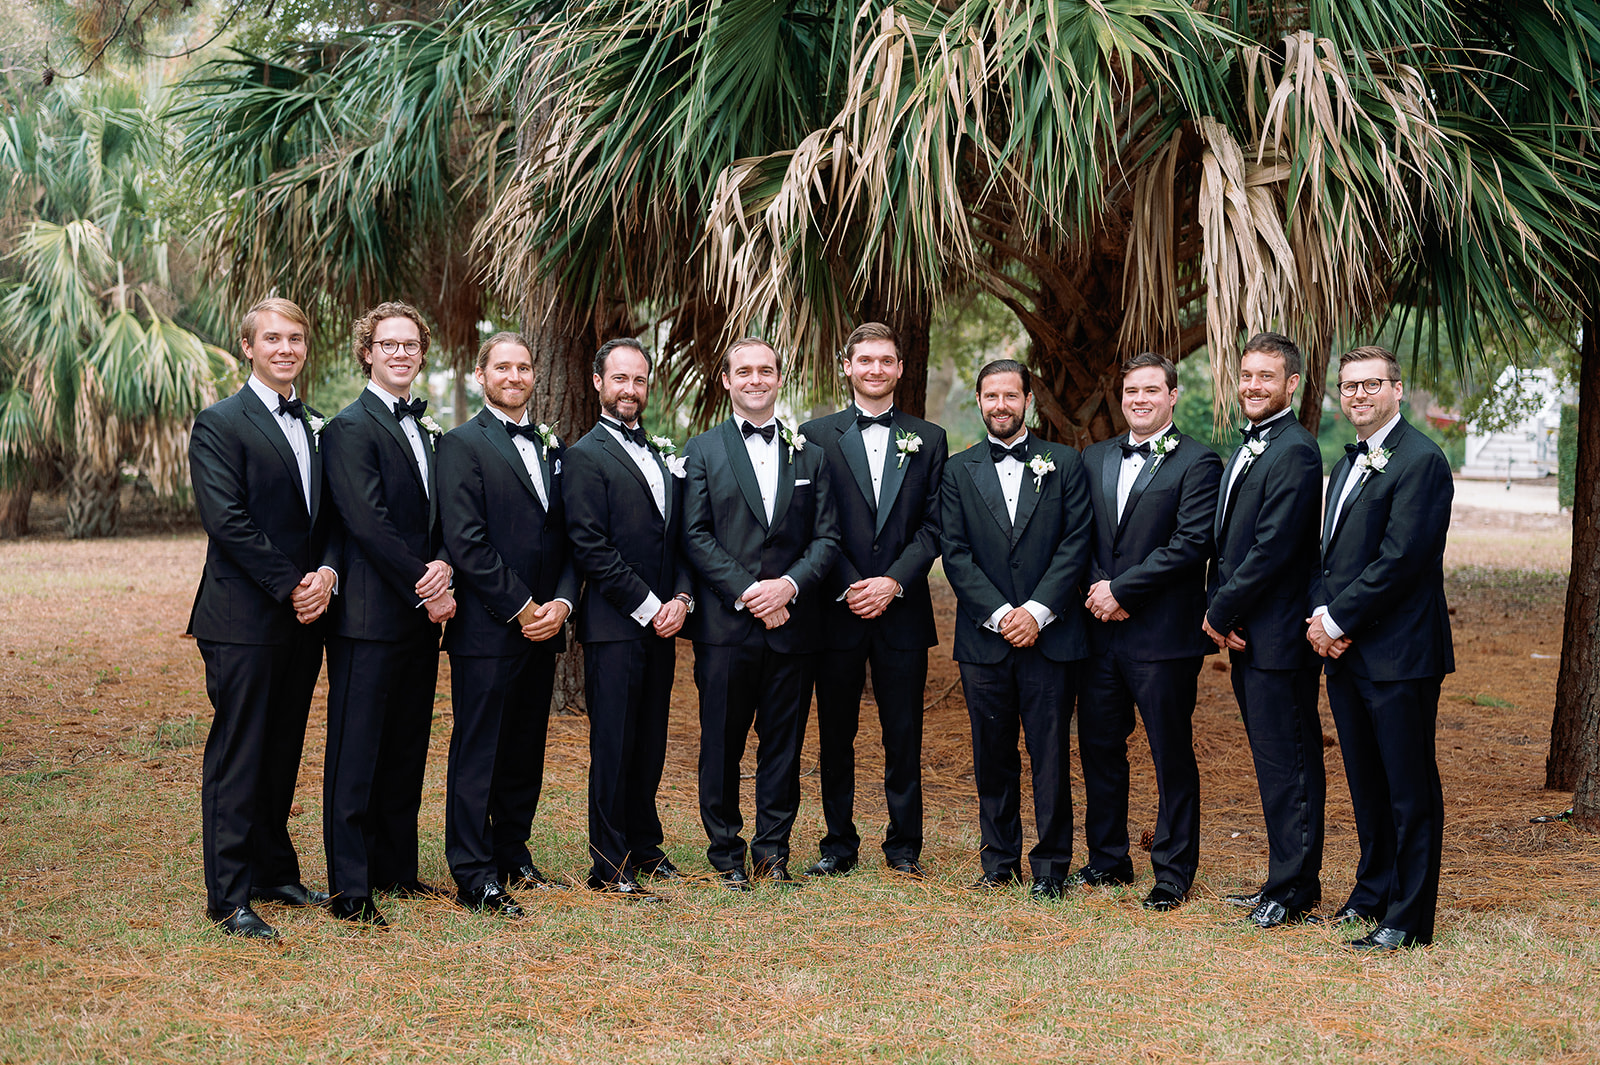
14	506
94	501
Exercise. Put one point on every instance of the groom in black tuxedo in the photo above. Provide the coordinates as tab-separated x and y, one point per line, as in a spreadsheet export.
256	466
761	531
886	467
1154	493
1380	621
1015	533
624	514
383	655
500	489
1267	519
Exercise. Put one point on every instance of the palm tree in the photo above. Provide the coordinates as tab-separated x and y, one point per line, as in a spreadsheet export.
96	371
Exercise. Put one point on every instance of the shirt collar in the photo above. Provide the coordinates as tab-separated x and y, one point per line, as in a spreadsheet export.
1023	439
1269	421
498	413
268	395
1153	436
384	394
1375	441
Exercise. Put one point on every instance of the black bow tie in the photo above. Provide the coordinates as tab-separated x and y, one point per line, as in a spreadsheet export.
636	434
1129	450
1253	432
1018	451
863	419
1357	448
527	432
765	432
292	407
416	408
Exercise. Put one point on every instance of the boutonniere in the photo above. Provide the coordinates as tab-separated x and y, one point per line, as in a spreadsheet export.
796	441
315	423
664	445
1163	445
1374	460
1040	465
906	444
547	434
1253	449
676	465
433	427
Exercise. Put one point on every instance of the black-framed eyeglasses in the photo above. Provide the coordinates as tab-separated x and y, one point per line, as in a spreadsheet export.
389	347
1370	386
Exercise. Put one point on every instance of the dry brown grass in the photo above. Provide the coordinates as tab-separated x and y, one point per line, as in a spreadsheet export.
104	954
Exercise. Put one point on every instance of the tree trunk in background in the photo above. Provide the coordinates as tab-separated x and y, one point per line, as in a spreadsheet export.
94	501
14	506
1574	760
910	324
1313	384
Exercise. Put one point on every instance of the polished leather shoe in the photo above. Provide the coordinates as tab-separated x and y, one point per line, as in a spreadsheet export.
289	895
244	923
663	870
994	881
490	898
1351	915
413	889
775	872
1163	898
528	878
357	908
1046	889
1089	876
1273	914
734	880
1244	902
1383	940
625	888
831	865
908	867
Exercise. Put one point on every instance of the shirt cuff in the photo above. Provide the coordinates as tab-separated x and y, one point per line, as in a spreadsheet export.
1041	613
645	612
335	573
793	584
738	606
993	624
561	599
1329	626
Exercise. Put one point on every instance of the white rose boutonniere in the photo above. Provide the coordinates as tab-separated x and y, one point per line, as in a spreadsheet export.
433	427
1375	460
664	445
796	441
906	444
1252	450
1040	465
316	423
547	434
1162	446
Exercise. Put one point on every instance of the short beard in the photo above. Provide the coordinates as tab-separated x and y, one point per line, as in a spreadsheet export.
611	412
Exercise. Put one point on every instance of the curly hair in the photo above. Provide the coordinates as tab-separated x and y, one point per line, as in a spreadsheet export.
361	332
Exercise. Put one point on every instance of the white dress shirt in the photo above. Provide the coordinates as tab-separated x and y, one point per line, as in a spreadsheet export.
528	450
294	429
875	438
409	426
765	456
1010	471
645	459
1352	481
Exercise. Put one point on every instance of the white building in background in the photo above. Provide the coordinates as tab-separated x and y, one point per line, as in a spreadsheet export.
1526	450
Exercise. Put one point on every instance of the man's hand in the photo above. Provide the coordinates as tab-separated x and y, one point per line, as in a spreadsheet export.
310	597
767	597
669	619
777	617
546	621
871	596
1325	645
1019	627
1231	642
435	580
441	607
1103	605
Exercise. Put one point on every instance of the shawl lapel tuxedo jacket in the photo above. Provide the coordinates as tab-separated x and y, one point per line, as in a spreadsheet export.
1382	572
896	536
1267	550
731	545
391	520
991	560
505	545
625	547
1155	556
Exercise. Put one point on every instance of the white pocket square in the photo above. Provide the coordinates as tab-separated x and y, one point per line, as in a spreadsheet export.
556	470
802	482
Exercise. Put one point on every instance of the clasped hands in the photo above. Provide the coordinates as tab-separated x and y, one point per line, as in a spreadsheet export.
541	621
1102	604
1321	642
871	596
434	591
311	596
768	601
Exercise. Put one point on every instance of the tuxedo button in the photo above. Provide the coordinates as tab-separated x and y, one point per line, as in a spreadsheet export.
1116	554
1016	564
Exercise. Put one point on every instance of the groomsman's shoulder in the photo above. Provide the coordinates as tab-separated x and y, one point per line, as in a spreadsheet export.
827	426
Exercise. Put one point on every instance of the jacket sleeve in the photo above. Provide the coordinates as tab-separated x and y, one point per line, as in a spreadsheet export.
463	508
720	569
1193	537
811	568
216	469
356	485
589	523
976	594
1058	588
1291	499
916	558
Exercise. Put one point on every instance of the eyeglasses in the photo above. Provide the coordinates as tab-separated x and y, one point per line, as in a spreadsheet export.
389	347
1369	386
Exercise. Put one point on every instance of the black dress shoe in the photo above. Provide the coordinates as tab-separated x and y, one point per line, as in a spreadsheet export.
663	870
734	880
490	897
1273	914
908	867
1089	876
995	881
1351	915
357	908
528	878
244	923
289	895
830	865
1244	902
413	889
625	888
1046	889
775	872
1384	940
1163	898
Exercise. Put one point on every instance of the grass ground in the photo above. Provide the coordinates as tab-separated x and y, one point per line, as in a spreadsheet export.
105	955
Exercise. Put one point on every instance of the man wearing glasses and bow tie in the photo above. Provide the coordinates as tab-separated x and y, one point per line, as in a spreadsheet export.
1380	621
383	655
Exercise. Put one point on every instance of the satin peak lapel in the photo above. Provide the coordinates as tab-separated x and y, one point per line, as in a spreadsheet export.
787	457
1029	493
258	415
743	472
500	440
855	457
894	475
987	480
1141	482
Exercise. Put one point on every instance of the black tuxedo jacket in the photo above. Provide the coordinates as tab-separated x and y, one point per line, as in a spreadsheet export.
730	544
991	561
262	541
1267	548
505	546
1382	572
896	537
392	527
1155	557
624	547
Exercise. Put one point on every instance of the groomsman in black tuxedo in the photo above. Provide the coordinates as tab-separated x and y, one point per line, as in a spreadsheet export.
500	489
256	467
1267	522
383	655
1380	621
624	517
1015	532
886	467
1154	493
761	530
